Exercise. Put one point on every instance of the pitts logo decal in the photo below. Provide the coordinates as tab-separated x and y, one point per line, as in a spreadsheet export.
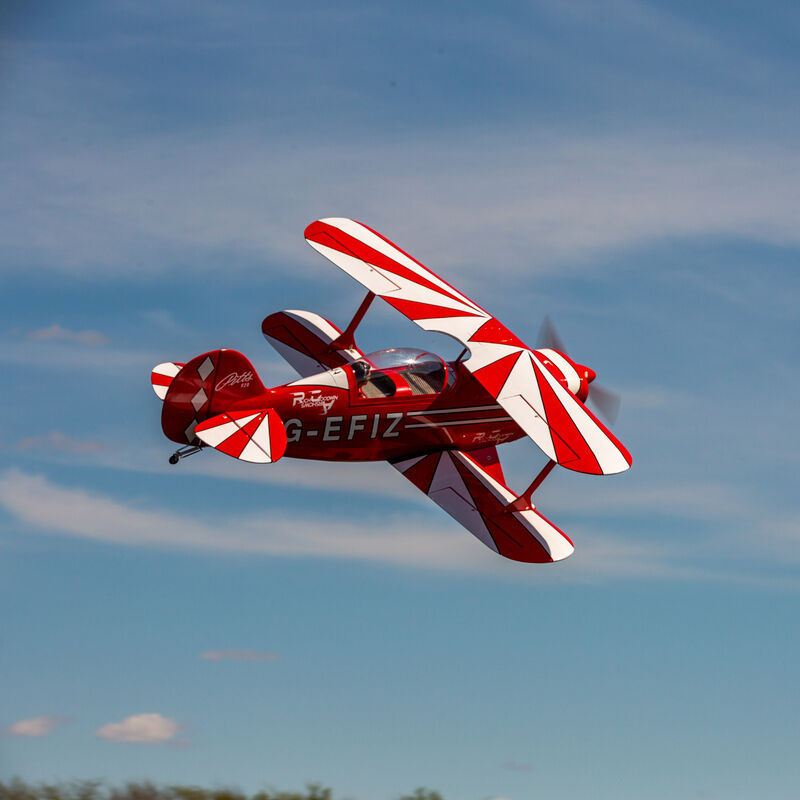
314	399
493	437
242	379
335	429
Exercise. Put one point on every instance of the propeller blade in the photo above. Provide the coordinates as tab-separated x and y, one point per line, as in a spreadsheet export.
548	337
605	401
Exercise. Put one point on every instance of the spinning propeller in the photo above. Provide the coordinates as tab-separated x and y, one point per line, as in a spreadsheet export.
606	401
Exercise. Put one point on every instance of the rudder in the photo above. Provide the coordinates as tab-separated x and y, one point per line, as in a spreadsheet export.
207	385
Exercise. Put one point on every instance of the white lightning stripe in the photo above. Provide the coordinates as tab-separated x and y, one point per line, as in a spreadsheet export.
446	424
494	407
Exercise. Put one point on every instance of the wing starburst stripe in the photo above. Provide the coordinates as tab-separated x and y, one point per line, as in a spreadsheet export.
460	486
349	244
501	362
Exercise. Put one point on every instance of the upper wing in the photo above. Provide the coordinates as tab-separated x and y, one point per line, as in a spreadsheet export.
304	340
480	502
506	367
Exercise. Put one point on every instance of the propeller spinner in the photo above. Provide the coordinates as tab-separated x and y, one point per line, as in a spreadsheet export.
551	345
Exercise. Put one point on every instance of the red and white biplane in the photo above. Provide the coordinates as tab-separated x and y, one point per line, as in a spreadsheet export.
437	423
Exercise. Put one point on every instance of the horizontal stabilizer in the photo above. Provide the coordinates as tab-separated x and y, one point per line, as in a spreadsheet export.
255	436
162	375
469	494
304	340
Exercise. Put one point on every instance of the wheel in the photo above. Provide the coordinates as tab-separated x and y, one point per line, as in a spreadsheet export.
174	458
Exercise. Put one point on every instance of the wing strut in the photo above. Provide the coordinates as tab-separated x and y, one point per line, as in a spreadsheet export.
346	339
480	502
514	375
524	502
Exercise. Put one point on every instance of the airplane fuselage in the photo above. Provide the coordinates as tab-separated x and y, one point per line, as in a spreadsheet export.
327	418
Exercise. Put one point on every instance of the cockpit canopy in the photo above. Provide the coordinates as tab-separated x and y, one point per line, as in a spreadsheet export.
378	374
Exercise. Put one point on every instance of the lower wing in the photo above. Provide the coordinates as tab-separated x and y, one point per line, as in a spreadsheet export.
482	504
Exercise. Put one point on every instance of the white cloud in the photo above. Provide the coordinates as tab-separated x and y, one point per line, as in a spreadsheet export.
82	514
148	728
239	655
542	199
56	332
409	539
36	726
63	356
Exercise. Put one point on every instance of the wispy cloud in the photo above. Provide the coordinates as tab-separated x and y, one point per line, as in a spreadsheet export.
88	515
541	198
34	727
239	655
60	442
408	540
64	355
109	360
377	480
516	766
58	333
149	728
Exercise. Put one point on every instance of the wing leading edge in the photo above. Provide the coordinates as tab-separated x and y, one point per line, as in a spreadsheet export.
306	341
480	502
565	430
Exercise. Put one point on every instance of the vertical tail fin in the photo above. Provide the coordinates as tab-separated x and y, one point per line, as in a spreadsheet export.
205	386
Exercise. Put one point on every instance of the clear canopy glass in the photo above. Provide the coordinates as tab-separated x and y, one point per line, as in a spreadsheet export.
424	372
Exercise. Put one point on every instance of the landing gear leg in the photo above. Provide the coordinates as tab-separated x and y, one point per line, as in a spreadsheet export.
183	452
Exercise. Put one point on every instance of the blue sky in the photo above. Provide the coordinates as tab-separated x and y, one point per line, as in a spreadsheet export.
627	167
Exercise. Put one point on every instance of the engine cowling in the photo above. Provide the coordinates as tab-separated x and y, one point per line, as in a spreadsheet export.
575	377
